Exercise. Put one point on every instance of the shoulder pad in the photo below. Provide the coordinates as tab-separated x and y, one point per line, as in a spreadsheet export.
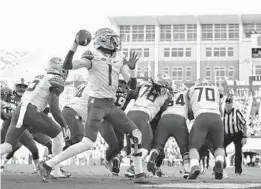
57	82
88	55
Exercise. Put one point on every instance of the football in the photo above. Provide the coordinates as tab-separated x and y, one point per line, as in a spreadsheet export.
83	37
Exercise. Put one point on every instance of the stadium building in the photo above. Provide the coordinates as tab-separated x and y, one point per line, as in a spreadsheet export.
217	47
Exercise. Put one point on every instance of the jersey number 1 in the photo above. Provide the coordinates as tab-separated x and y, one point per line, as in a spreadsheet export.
110	71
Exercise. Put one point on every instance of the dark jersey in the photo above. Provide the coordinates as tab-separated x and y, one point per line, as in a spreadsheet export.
124	98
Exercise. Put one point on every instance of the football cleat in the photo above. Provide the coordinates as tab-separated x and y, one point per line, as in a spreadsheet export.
151	165
140	179
130	172
115	166
45	171
218	170
194	172
158	173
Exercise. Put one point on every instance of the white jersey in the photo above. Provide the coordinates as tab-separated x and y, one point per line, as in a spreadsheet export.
178	105
204	99
79	102
104	73
149	101
38	91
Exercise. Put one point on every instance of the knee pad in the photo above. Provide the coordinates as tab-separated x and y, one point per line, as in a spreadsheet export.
135	139
136	136
35	155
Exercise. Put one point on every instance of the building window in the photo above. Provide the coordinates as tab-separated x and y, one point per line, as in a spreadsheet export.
230	73
165	32
208	52
137	33
222	51
166	52
208	73
219	52
191	32
248	29
177	73
180	52
150	33
125	52
216	52
188	74
146	71
188	52
166	70
220	31
257	69
174	52
220	73
125	33
178	32
138	51
207	32
146	52
230	51
233	31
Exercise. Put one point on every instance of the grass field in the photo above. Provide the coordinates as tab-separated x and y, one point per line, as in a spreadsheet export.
98	177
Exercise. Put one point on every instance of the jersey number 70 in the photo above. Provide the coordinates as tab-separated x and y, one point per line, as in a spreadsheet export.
209	93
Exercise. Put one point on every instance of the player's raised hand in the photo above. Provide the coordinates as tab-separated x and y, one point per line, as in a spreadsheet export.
132	60
83	37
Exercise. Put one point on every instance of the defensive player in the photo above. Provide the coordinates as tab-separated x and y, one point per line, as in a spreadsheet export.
104	65
113	136
45	89
205	103
152	95
172	124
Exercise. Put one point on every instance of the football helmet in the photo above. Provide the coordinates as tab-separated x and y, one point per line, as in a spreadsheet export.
179	87
107	39
164	80
20	87
201	81
6	93
55	66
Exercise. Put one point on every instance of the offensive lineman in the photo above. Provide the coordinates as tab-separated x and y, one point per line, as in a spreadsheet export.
205	103
104	65
152	95
172	124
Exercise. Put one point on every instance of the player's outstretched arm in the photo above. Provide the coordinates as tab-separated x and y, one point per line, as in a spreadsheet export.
83	38
130	76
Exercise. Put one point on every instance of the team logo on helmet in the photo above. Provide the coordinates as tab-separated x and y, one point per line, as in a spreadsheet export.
164	80
107	39
55	66
201	81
